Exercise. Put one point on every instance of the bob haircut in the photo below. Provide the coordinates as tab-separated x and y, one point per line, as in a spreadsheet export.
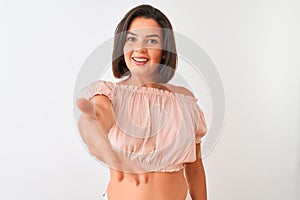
168	62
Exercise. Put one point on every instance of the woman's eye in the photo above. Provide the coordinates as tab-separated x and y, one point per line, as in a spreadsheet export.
152	41
131	39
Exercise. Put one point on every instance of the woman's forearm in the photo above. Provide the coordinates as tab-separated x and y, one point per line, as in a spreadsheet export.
100	147
94	138
92	131
196	178
197	185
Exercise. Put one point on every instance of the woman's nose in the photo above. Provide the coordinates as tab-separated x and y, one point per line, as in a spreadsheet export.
140	47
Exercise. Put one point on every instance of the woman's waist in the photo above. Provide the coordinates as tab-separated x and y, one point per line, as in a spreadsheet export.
160	185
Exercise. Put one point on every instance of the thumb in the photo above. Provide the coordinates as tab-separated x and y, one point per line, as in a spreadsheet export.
86	107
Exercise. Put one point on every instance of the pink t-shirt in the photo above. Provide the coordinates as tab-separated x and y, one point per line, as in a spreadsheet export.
156	128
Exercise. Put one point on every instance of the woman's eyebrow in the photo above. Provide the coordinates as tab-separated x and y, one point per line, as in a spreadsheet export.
153	35
128	32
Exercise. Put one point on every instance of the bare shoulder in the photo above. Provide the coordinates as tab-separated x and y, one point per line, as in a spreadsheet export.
179	89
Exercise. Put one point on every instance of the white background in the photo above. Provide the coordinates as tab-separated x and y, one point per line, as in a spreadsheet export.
253	44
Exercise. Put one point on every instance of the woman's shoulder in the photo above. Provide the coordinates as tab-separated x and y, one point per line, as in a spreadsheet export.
179	89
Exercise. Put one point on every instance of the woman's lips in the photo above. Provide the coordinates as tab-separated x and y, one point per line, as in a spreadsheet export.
140	60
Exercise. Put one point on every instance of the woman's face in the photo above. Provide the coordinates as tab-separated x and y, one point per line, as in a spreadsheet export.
143	47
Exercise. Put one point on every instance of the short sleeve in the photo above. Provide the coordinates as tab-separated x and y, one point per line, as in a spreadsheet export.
201	127
96	88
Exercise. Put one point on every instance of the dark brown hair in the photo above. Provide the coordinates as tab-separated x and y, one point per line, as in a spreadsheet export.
168	63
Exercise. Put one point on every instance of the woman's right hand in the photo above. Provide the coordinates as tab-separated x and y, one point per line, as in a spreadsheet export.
99	146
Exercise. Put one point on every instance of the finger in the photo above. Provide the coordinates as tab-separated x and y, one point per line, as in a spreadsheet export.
120	175
144	177
133	178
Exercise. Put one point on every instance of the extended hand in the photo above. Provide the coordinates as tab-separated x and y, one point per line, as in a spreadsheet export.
100	147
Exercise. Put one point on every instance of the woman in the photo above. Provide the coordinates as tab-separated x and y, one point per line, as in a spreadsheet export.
135	132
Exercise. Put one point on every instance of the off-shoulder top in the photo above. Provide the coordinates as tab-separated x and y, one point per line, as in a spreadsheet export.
156	128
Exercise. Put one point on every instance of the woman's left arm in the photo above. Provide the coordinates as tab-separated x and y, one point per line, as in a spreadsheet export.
195	176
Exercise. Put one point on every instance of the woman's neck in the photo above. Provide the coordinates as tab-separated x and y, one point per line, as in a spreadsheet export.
139	81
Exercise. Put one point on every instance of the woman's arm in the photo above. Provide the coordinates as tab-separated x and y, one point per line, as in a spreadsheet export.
94	124
92	128
195	176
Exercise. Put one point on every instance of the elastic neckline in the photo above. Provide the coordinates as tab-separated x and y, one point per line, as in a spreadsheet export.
155	90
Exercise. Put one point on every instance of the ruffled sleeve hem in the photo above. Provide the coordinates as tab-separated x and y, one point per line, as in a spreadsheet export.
201	128
99	87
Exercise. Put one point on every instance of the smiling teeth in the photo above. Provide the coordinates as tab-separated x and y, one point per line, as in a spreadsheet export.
141	59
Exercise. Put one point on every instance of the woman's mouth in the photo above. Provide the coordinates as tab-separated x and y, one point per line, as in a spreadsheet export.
140	60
